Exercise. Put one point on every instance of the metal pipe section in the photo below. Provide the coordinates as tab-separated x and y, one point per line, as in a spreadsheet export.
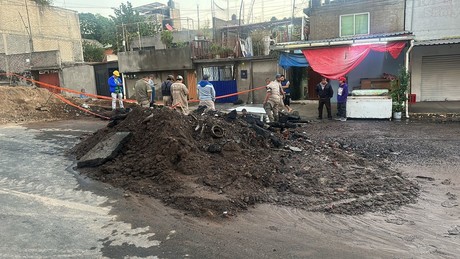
406	66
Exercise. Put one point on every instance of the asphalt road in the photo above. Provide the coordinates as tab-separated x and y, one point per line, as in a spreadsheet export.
47	210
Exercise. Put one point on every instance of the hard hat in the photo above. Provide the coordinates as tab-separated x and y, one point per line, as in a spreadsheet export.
179	77
116	73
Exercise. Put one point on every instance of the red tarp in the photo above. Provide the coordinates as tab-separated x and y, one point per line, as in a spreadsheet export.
335	62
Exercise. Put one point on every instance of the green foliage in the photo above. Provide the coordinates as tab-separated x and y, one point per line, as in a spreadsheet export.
399	88
179	44
92	53
167	38
98	27
44	2
258	41
215	49
130	25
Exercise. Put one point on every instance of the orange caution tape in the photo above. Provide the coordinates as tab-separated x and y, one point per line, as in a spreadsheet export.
46	85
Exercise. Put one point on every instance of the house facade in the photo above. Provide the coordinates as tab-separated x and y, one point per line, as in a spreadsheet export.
435	57
38	39
362	40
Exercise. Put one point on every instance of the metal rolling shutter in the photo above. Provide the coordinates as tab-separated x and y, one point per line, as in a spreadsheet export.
440	78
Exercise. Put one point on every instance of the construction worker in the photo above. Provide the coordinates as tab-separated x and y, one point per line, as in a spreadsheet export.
206	94
272	101
116	89
166	90
179	94
143	92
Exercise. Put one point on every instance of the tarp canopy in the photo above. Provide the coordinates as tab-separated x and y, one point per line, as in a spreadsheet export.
334	62
292	60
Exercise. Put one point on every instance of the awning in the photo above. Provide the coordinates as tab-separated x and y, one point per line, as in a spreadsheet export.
334	62
292	60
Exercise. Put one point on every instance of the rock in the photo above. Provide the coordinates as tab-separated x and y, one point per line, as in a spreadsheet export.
454	230
214	148
105	150
295	149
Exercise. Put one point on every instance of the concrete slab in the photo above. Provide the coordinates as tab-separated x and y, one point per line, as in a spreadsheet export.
105	150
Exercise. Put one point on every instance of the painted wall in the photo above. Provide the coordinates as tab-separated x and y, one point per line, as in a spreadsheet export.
385	16
433	19
257	71
416	63
78	77
155	60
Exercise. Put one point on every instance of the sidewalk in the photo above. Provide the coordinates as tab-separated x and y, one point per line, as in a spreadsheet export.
308	109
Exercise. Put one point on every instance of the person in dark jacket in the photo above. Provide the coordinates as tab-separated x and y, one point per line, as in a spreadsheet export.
166	90
342	95
325	92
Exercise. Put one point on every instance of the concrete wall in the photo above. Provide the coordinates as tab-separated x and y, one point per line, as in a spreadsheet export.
155	60
78	77
257	71
155	41
52	29
416	63
261	69
433	19
385	16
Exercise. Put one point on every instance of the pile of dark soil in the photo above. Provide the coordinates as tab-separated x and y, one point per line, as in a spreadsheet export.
175	159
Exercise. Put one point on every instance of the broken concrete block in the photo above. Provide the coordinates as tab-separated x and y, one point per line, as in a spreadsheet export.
105	150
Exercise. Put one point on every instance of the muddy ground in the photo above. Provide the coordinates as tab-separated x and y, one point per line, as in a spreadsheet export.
344	168
171	158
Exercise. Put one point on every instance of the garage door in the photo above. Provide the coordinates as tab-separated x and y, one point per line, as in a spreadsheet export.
440	78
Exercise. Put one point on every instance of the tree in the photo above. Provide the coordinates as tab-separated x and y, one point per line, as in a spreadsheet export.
167	38
98	27
92	53
273	19
131	24
43	2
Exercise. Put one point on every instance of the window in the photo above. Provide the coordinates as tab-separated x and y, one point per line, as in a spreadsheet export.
219	73
354	24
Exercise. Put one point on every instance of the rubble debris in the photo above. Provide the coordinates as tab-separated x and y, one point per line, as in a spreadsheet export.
104	150
177	159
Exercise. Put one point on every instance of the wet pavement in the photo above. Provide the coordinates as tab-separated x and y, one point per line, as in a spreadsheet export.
48	210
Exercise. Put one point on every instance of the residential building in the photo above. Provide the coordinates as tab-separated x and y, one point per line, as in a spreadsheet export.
162	14
360	39
435	57
40	39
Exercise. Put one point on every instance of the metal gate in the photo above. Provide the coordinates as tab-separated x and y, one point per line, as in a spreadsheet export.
440	78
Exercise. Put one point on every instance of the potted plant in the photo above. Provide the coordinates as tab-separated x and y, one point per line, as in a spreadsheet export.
215	50
399	88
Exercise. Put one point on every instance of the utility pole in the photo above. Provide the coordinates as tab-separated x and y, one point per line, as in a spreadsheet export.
31	42
198	14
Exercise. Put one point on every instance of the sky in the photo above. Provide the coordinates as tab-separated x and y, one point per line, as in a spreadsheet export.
263	10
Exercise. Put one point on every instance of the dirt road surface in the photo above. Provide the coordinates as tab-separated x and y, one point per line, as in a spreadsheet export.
357	189
49	210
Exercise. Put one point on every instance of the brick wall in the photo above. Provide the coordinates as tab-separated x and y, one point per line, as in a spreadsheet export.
385	16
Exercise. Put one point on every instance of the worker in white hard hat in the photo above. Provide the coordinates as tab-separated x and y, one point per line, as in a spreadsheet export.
116	89
179	93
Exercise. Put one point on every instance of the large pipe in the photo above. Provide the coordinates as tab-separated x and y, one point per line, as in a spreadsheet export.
406	65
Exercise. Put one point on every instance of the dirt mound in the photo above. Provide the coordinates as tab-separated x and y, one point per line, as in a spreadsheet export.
191	167
26	104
